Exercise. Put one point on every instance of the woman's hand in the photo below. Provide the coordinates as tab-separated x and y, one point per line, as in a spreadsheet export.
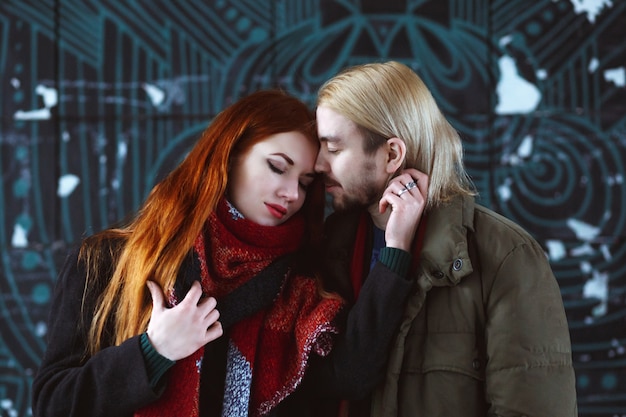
407	195
179	331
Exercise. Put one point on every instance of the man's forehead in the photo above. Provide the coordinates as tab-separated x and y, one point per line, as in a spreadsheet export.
332	126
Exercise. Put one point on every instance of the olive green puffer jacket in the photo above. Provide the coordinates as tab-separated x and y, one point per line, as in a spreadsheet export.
485	331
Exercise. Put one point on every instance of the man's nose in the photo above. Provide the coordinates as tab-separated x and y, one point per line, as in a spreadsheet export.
320	163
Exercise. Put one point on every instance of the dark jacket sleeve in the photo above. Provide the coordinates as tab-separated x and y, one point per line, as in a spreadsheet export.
357	362
113	382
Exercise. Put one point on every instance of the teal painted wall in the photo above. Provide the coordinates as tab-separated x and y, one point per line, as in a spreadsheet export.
98	99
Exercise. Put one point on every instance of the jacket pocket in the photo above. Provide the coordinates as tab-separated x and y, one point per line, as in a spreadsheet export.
442	375
445	352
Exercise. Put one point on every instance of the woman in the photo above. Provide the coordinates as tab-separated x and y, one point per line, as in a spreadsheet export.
134	326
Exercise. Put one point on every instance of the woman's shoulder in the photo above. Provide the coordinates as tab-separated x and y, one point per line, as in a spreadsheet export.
102	249
90	260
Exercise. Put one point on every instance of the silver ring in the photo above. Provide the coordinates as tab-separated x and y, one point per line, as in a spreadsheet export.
410	185
402	191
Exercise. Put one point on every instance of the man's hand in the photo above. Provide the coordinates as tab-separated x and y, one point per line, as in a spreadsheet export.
179	331
407	195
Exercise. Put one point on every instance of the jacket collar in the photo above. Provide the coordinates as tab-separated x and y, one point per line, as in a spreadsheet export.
445	257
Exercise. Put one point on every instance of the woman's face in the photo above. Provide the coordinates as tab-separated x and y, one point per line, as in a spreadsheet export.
268	183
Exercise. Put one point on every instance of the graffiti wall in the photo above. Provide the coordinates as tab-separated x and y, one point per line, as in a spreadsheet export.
100	98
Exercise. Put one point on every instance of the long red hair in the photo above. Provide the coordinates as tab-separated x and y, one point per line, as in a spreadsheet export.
162	233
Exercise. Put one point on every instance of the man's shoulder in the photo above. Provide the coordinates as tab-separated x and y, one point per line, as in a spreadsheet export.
489	222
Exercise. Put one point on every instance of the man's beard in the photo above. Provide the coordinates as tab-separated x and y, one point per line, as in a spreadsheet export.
361	195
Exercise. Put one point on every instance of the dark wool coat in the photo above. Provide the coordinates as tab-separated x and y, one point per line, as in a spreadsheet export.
114	382
484	333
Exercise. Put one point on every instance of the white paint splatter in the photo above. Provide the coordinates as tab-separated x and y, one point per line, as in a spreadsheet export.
582	250
505	40
20	236
613	180
556	249
542	74
515	94
591	7
67	184
156	94
6	403
526	147
504	191
598	287
583	230
618	346
616	75
50	98
49	95
40	114
41	329
593	65
122	150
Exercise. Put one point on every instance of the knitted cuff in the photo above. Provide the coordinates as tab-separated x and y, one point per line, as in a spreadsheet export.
396	260
156	364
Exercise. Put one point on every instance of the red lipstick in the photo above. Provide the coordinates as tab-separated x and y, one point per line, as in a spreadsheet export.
276	210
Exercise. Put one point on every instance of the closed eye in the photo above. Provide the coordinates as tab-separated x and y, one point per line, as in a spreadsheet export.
275	169
330	144
328	148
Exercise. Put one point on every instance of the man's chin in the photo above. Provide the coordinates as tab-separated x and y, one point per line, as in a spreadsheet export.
342	204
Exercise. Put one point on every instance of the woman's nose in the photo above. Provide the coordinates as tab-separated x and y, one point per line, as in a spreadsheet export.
290	190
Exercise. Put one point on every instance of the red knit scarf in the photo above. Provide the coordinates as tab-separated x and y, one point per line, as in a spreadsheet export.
276	342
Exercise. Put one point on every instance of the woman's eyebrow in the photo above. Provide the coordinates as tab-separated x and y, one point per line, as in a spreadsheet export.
285	157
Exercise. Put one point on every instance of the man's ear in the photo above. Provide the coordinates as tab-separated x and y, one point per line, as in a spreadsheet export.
396	154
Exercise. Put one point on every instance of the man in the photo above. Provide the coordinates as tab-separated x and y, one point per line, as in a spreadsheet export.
484	332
